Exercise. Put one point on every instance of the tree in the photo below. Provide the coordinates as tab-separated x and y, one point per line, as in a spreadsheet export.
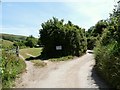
39	42
94	33
70	37
31	41
99	28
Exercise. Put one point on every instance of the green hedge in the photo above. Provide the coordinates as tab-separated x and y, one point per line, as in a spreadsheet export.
107	55
91	42
108	64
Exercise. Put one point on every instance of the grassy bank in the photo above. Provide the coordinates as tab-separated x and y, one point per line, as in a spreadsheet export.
11	66
5	43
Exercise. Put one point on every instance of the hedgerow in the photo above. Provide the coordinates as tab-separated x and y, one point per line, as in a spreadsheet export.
107	54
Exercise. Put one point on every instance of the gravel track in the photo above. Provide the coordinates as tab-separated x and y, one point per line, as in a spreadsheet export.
76	73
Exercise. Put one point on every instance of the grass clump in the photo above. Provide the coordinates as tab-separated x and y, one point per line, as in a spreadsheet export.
39	63
65	58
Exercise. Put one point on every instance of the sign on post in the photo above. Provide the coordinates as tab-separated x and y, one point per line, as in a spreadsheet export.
58	47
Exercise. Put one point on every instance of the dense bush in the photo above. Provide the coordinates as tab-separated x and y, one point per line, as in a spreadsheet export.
94	33
108	63
107	53
31	41
91	42
70	37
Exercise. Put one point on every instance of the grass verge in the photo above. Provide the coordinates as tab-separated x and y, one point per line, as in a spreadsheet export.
11	66
38	63
65	58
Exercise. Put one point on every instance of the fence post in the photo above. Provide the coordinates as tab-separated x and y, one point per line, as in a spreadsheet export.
17	51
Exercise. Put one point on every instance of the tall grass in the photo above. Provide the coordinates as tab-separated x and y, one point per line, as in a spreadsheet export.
11	66
5	44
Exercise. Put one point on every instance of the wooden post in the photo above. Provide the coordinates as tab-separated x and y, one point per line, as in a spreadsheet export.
17	51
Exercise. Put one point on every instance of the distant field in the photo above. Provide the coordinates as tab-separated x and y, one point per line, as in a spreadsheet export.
32	51
6	43
12	37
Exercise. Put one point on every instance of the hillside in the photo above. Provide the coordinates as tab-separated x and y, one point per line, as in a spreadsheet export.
6	43
12	37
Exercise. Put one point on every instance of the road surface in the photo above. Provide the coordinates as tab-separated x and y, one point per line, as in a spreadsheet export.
76	73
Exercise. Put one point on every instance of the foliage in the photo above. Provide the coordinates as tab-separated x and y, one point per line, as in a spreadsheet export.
91	42
39	43
90	31
107	52
99	28
21	44
94	33
11	66
70	37
31	41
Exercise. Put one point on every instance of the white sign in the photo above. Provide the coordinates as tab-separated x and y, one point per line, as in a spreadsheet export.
58	47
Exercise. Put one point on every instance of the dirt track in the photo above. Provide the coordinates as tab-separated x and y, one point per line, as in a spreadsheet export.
77	73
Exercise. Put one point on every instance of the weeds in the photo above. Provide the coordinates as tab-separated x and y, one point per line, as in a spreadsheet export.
39	63
11	66
61	58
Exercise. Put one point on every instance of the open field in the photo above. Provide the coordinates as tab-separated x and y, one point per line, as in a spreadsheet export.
31	51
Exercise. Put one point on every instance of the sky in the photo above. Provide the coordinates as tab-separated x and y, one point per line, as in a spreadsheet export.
25	17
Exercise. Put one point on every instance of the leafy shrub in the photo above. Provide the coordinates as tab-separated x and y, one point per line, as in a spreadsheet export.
108	63
11	66
31	41
107	54
94	33
91	42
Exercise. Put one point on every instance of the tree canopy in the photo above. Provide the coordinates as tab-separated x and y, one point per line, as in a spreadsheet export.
31	41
